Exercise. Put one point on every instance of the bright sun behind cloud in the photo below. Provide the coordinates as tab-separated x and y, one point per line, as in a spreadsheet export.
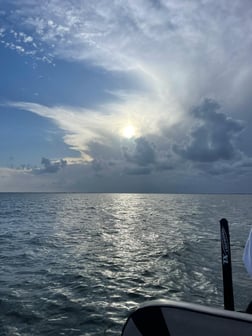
128	132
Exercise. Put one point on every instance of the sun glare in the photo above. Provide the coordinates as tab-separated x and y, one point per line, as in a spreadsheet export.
128	131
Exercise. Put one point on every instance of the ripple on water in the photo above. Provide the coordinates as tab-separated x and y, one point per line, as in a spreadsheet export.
76	264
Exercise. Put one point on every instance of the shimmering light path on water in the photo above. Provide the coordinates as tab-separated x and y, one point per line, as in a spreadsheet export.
75	264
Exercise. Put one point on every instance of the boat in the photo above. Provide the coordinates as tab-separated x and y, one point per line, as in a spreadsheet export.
171	318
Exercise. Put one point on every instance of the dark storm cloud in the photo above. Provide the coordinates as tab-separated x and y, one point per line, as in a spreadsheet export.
214	137
97	165
143	154
100	166
137	171
147	157
162	166
50	166
233	168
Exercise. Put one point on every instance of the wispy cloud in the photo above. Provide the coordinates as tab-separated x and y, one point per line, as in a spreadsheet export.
150	38
182	50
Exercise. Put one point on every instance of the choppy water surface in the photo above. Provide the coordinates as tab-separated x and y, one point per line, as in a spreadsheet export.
76	264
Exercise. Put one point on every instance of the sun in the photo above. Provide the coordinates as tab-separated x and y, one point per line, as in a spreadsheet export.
128	132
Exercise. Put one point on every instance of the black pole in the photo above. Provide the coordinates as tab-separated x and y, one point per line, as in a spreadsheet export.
226	265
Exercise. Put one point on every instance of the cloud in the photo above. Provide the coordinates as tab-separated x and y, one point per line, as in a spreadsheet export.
13	180
138	171
100	131
206	136
126	35
103	167
213	137
50	166
178	53
143	154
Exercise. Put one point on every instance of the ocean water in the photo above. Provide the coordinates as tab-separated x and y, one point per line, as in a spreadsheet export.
76	264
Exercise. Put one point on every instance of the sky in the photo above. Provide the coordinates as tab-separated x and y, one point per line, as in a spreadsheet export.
126	96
